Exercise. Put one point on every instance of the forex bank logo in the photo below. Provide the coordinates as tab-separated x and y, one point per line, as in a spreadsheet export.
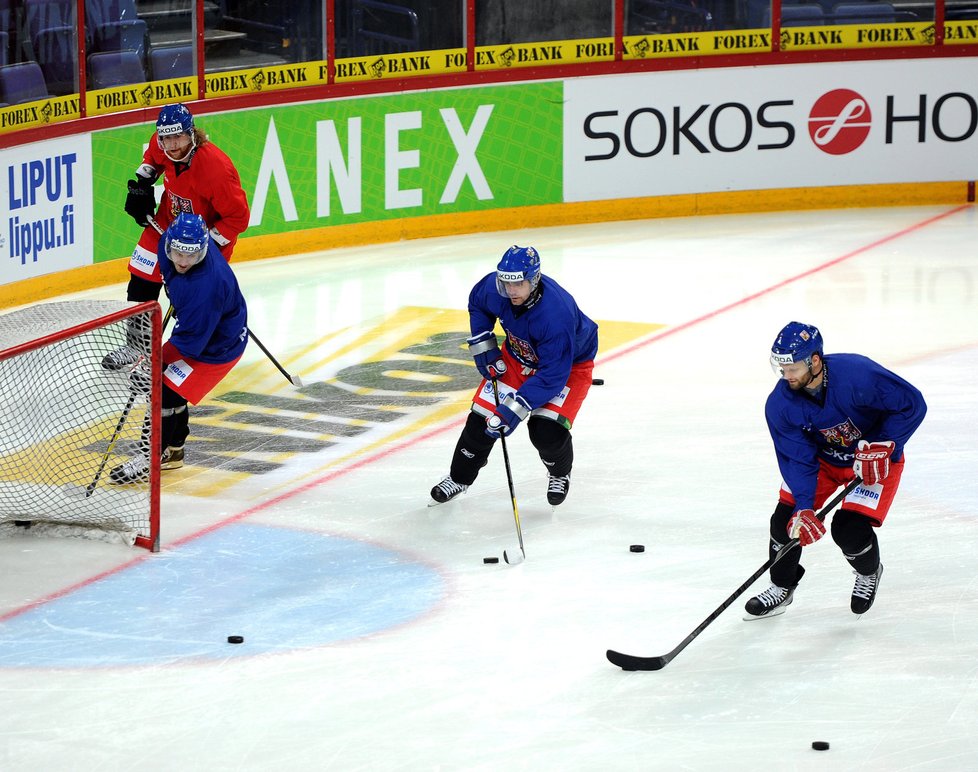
839	121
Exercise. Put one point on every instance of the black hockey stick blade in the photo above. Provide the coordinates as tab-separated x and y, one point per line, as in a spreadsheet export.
630	662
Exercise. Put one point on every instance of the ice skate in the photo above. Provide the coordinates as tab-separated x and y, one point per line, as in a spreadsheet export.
557	489
770	603
446	490
135	470
122	358
172	458
864	591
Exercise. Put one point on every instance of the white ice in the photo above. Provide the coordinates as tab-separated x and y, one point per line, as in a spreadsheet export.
375	636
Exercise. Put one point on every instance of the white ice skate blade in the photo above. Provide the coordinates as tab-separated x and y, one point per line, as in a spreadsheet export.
773	613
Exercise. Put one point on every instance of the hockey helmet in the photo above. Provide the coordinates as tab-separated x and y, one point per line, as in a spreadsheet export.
795	343
518	264
173	121
187	236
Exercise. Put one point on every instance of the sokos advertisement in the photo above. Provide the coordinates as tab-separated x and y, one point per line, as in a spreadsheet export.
363	160
705	131
46	208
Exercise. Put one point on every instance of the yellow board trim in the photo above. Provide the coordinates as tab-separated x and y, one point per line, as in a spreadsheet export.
548	215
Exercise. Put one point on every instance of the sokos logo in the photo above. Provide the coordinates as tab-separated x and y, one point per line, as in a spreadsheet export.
839	121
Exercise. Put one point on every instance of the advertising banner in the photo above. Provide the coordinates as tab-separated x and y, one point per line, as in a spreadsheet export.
704	131
363	160
46	208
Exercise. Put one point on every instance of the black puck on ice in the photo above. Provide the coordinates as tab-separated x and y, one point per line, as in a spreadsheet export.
235	639
637	548
490	560
820	745
597	381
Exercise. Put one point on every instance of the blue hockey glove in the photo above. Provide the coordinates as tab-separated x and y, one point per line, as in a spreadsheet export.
507	416
488	358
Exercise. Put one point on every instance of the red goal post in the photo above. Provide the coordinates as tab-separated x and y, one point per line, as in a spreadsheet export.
67	421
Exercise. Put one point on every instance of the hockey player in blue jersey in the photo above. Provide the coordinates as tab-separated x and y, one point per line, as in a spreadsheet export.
208	339
833	418
543	371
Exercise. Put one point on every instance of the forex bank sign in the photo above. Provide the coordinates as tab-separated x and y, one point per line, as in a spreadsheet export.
701	131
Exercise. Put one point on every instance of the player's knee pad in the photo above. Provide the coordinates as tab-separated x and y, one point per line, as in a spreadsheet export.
548	436
471	451
554	444
169	399
141	290
856	538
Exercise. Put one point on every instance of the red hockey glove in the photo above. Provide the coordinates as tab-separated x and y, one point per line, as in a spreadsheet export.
873	461
805	527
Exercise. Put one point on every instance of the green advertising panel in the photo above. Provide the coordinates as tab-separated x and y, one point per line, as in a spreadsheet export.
363	160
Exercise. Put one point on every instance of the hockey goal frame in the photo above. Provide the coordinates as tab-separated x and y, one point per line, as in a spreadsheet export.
147	533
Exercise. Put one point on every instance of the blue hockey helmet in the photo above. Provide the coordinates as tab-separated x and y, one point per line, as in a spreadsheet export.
518	264
187	236
175	120
796	343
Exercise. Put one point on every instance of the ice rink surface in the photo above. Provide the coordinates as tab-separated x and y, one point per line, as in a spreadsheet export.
375	638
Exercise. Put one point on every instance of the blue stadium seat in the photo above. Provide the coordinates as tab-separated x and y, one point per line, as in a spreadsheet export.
114	68
22	83
55	49
863	13
171	62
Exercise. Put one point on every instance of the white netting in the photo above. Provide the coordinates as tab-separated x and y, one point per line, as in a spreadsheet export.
60	410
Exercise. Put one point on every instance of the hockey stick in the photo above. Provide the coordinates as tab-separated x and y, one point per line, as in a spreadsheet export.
630	662
512	492
295	380
89	489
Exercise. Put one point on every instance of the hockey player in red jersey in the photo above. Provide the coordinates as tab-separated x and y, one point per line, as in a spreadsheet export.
198	178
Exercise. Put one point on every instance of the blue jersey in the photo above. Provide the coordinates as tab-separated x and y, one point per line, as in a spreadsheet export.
209	308
860	400
547	334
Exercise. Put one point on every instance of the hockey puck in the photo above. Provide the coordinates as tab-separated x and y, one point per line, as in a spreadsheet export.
637	548
235	639
490	560
597	381
820	745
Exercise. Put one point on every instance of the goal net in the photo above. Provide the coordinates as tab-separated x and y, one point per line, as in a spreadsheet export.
67	421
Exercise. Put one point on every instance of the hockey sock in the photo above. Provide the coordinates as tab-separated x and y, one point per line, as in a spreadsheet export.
554	444
787	572
471	451
175	420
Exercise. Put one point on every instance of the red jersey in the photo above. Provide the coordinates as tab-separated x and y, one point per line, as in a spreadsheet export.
207	185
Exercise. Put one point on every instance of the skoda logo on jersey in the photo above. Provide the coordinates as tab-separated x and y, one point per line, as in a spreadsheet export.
839	121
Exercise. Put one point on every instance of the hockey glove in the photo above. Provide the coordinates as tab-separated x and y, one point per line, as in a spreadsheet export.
141	201
873	461
805	527
488	358
507	416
